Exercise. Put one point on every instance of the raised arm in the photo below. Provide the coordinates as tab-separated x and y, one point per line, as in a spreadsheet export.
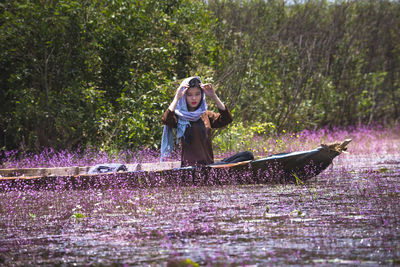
210	92
179	94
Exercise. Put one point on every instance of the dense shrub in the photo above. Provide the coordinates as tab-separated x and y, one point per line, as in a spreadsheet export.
100	74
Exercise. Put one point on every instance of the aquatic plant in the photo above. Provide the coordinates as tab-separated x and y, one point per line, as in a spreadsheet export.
366	140
346	215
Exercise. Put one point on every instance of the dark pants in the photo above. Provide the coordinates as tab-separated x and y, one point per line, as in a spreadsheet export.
241	156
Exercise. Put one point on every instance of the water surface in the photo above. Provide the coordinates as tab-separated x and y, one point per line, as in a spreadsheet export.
347	215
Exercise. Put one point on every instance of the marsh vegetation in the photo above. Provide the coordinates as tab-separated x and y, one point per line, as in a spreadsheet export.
346	215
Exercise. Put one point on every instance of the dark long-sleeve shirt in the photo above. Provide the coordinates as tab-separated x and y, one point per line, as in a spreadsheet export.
196	143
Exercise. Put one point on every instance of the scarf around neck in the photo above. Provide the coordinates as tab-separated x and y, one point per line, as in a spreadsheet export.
184	118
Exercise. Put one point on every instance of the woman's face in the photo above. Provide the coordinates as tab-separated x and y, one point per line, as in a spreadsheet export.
193	98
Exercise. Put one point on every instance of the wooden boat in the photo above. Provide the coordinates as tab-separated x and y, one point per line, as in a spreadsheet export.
294	167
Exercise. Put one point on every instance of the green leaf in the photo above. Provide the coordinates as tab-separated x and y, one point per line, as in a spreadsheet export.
298	180
78	215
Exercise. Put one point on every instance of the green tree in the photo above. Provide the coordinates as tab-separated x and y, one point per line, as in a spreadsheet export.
44	74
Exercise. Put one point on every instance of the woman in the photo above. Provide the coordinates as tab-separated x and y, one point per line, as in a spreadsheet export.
188	113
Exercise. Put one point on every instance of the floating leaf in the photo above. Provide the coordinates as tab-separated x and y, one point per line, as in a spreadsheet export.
78	215
267	209
183	263
383	170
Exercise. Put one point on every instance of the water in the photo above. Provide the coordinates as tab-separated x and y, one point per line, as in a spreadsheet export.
349	215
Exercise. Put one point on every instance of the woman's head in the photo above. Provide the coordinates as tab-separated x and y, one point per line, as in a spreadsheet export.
194	94
194	82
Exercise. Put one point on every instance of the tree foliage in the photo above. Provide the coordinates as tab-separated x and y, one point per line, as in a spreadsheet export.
315	62
101	73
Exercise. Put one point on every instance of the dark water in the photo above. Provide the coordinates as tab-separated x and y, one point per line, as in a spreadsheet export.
349	215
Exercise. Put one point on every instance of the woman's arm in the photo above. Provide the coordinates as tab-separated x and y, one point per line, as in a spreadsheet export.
219	103
210	92
173	104
179	94
220	119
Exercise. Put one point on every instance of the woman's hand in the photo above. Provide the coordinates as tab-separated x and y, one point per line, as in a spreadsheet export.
181	91
208	90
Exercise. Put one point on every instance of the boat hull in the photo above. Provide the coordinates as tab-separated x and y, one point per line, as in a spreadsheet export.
295	167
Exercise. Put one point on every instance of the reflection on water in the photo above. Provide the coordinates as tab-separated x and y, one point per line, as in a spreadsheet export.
348	215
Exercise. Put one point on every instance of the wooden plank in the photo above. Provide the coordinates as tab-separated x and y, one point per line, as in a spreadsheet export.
76	170
230	165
